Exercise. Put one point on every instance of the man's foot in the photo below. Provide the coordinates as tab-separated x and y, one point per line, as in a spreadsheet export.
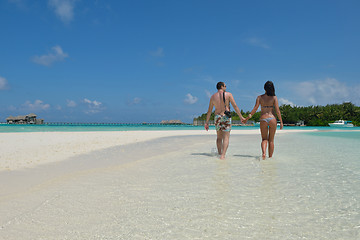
263	156
222	157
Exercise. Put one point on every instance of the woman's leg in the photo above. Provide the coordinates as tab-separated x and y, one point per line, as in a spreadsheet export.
264	136
272	131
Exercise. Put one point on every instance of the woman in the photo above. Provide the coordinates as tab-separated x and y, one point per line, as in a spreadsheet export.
268	122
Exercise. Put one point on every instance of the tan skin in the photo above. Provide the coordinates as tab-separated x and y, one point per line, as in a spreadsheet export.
267	130
222	140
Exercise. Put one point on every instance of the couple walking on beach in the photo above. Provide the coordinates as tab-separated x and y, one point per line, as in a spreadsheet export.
221	101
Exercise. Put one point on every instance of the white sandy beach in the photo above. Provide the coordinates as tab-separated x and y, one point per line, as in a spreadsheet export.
26	150
30	149
117	185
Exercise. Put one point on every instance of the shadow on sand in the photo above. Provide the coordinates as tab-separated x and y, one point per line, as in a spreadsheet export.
246	156
235	155
205	154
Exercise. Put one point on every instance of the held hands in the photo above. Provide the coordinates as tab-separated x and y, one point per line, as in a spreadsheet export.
244	120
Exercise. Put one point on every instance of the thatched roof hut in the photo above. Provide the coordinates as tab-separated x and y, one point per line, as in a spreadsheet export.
171	122
24	119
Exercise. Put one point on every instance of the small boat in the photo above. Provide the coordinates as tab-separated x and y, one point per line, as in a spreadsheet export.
341	123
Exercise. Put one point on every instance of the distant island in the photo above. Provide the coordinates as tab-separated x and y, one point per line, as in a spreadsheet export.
309	116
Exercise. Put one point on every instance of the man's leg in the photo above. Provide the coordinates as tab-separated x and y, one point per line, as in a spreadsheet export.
219	141
225	145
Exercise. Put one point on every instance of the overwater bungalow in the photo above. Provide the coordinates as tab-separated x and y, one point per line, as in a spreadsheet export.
26	119
172	122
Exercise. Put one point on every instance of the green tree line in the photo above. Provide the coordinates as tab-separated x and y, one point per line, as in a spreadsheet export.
311	115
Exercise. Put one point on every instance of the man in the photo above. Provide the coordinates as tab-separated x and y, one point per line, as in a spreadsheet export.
222	122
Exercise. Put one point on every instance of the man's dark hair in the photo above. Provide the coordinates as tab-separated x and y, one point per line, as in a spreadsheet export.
219	85
269	88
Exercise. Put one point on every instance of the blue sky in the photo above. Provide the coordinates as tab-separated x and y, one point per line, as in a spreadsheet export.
147	61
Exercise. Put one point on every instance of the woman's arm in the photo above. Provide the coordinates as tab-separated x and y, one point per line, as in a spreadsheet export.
278	113
257	104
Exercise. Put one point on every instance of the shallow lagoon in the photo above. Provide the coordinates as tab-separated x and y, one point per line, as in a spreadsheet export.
132	127
175	188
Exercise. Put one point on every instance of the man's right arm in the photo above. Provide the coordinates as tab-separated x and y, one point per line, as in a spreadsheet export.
237	110
211	106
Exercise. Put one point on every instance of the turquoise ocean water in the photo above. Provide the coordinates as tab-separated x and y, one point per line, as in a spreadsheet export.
176	188
127	127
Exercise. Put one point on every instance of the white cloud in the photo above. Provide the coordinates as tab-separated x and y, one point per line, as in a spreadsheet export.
322	92
3	83
208	93
38	105
158	53
283	101
190	99
233	83
64	9
57	54
93	106
355	96
136	100
257	42
71	103
209	79
92	103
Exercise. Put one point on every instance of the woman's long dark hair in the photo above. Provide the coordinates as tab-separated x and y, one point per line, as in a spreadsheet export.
269	88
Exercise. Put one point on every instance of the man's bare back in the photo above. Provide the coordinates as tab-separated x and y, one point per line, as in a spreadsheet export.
218	102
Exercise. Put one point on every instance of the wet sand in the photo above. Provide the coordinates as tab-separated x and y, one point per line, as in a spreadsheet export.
30	149
174	187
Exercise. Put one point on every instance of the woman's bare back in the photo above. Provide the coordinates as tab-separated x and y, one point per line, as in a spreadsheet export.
267	105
